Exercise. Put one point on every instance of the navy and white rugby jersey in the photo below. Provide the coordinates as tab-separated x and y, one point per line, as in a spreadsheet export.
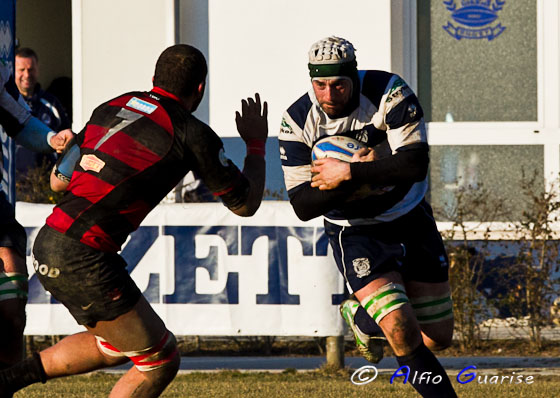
388	119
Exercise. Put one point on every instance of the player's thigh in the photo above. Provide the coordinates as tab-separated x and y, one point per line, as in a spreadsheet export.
433	308
135	330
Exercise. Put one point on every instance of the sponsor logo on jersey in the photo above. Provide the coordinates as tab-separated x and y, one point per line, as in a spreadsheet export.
91	163
140	105
476	18
285	128
399	90
362	267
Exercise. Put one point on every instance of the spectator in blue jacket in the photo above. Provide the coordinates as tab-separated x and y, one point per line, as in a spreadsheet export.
44	106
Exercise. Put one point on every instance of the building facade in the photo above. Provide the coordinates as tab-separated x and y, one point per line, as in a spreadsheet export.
486	71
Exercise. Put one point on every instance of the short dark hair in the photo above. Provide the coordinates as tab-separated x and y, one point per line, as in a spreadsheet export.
180	69
26	52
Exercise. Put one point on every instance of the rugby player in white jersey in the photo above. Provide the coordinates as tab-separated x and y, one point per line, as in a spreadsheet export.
380	227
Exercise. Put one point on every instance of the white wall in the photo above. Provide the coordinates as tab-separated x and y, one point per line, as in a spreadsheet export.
115	47
261	46
251	46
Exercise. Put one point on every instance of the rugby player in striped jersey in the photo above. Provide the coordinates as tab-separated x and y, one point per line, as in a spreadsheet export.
380	227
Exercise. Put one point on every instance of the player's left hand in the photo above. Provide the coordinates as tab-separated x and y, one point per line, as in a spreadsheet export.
329	173
252	123
61	139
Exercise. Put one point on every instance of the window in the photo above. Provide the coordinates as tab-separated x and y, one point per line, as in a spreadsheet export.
488	81
489	78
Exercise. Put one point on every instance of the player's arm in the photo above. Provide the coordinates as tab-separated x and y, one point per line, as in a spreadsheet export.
241	192
61	173
409	164
336	180
308	202
19	124
38	137
403	119
252	125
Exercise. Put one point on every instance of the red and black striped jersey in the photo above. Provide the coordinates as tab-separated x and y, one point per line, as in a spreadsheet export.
133	151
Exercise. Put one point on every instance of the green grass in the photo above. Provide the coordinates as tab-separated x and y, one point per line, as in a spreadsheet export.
292	384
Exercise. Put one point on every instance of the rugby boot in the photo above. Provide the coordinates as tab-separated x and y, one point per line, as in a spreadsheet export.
370	347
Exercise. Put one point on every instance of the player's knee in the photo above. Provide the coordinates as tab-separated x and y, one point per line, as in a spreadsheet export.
440	342
110	356
167	371
439	336
161	363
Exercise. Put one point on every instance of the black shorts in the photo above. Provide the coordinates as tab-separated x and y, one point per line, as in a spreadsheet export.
12	234
410	245
93	285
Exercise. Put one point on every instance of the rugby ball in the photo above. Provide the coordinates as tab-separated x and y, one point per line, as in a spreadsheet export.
337	147
343	148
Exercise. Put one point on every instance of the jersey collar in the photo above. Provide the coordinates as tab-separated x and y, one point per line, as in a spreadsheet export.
161	91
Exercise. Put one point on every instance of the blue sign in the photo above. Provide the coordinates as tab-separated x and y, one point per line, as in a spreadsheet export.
7	34
474	19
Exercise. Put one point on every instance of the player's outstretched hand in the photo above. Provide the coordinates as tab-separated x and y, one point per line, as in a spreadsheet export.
61	139
252	122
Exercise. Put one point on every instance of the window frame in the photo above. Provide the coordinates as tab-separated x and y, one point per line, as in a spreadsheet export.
545	131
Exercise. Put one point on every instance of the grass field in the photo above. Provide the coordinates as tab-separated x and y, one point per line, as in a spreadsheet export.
292	384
